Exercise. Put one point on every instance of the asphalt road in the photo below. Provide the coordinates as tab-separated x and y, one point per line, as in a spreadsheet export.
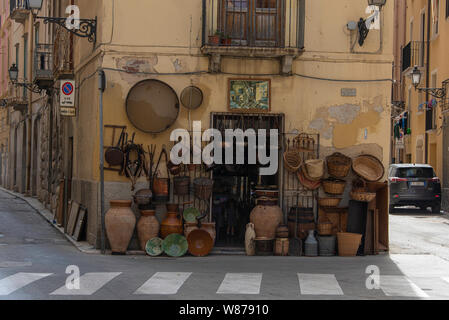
34	259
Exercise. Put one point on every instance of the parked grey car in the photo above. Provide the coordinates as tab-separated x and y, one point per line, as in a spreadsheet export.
414	184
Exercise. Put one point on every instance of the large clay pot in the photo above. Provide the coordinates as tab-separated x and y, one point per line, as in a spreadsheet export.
171	224
120	222
266	219
147	227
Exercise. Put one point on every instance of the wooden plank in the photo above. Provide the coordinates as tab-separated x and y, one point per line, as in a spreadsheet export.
82	215
73	215
60	209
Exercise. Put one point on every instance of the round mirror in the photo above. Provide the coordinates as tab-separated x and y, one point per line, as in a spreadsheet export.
152	106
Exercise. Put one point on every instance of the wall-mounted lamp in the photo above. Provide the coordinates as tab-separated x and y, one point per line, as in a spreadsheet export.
364	24
13	76
439	93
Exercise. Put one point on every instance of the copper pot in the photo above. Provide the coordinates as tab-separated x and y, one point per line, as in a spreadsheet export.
147	227
266	219
120	222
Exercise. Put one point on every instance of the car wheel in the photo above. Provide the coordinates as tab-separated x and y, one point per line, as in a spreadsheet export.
436	208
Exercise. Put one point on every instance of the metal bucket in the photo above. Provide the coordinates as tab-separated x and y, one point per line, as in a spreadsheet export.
327	245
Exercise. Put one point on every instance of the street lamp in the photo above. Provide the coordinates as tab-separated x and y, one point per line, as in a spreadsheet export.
14	75
35	4
439	93
379	3
416	77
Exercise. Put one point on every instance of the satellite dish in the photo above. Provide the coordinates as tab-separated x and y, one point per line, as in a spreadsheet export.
152	106
192	97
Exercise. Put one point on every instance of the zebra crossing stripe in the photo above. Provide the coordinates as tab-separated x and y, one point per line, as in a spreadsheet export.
19	280
241	283
89	284
400	286
164	283
319	284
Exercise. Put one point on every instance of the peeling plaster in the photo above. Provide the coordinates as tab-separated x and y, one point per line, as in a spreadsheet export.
345	113
177	64
133	65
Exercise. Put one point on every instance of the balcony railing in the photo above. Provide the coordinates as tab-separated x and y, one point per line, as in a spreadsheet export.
43	64
253	23
414	54
19	10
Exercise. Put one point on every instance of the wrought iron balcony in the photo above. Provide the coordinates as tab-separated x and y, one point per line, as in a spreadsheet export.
414	54
253	28
19	10
43	65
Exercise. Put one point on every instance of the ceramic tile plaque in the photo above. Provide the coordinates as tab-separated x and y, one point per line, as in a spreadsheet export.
249	95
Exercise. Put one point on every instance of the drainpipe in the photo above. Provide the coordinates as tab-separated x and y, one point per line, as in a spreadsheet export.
30	103
429	10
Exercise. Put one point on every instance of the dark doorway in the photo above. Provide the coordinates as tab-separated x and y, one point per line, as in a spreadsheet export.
234	184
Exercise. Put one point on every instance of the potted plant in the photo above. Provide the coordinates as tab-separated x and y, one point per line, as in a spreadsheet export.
216	38
226	40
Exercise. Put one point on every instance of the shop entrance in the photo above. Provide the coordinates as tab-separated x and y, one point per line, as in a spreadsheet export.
234	185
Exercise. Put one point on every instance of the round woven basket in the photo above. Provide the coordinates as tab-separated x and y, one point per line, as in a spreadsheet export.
359	185
338	165
329	202
368	167
292	160
308	184
363	196
336	187
314	169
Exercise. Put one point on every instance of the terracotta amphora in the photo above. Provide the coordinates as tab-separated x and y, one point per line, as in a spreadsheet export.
266	219
147	227
120	222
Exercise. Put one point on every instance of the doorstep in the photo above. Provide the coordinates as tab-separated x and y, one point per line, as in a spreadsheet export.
34	203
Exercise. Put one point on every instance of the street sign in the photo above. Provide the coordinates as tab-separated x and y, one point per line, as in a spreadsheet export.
68	112
67	93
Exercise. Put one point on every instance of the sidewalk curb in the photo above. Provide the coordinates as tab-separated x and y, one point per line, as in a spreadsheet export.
84	247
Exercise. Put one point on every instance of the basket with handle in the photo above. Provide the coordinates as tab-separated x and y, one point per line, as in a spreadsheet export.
359	185
363	196
338	165
334	186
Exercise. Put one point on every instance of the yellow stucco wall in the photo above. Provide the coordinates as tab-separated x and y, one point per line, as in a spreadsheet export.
439	46
165	37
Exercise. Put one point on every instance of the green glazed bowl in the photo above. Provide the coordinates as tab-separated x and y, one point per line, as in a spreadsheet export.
190	214
175	245
154	247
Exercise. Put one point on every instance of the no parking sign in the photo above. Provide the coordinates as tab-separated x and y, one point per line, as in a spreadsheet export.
67	94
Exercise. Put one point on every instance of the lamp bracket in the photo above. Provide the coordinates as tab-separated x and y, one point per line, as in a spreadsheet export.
438	93
87	27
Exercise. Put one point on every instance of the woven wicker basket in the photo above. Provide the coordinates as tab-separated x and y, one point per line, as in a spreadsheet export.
314	169
336	187
329	202
368	167
363	196
325	228
348	243
292	160
181	185
359	185
203	188
308	184
338	165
